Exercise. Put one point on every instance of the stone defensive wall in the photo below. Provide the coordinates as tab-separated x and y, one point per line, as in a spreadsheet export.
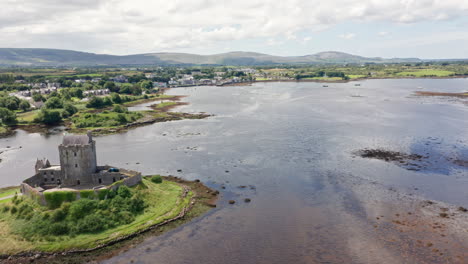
33	193
103	182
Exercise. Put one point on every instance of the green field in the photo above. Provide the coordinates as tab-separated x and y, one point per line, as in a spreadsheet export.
164	104
427	73
27	117
356	76
8	191
104	119
164	201
324	78
5	192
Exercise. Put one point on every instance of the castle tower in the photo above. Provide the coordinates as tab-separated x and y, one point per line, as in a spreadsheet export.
78	159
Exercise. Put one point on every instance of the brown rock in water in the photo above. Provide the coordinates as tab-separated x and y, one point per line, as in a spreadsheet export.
232	202
462	209
247	200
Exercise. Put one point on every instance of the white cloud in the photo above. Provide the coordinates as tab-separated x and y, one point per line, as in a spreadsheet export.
133	26
347	36
383	33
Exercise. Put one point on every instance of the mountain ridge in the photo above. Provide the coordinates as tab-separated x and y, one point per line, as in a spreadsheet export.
62	57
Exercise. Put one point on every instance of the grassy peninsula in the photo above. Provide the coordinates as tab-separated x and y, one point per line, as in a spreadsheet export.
27	228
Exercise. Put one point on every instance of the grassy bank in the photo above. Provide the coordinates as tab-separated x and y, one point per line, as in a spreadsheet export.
162	201
4	131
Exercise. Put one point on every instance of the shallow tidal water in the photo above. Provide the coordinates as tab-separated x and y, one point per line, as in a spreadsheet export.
292	146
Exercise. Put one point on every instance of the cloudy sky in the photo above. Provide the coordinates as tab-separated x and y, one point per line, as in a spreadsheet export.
385	28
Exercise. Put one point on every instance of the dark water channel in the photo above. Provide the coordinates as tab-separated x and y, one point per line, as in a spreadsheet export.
292	145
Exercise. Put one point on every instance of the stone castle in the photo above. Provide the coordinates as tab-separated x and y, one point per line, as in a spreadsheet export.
78	169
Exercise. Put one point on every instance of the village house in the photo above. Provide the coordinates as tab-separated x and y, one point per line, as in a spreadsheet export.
119	79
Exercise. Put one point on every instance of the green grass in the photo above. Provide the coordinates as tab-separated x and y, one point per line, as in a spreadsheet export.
3	130
9	191
164	202
104	119
356	76
164	104
426	73
324	78
27	117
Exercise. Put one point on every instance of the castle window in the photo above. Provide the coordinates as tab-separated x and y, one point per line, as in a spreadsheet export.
52	173
45	179
78	182
113	179
76	165
74	153
51	179
100	180
58	181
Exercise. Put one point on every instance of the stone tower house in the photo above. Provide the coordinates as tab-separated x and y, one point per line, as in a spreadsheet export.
78	159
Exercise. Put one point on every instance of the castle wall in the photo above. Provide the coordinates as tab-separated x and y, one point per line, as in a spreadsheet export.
131	181
78	163
27	190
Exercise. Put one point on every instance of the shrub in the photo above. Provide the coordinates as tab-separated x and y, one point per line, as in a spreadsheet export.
6	208
58	229
98	102
55	199
102	194
91	223
156	179
53	103
7	116
124	192
119	109
24	105
49	117
13	210
121	118
89	194
69	110
137	205
59	215
82	207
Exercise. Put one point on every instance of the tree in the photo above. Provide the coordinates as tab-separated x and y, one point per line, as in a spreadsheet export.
111	86
24	105
54	103
121	118
66	95
126	88
12	104
116	98
69	110
146	85
119	109
136	90
107	101
95	102
37	97
49	117
7	116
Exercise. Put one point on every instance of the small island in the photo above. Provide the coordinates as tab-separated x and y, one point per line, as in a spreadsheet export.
78	206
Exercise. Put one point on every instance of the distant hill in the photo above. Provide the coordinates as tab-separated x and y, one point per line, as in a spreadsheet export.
55	57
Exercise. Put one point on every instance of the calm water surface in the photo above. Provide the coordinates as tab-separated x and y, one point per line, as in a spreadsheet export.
292	144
